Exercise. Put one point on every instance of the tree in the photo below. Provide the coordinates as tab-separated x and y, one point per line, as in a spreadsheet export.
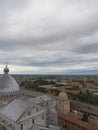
85	117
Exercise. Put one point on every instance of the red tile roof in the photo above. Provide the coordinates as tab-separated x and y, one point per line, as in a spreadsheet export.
67	90
72	119
89	111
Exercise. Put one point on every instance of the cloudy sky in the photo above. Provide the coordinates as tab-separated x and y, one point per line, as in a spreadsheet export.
49	36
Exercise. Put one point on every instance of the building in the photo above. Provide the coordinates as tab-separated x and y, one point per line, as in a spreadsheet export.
63	104
9	89
36	127
70	120
22	112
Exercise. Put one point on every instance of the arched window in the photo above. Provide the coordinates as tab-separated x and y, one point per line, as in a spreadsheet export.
42	117
29	113
37	109
21	126
32	121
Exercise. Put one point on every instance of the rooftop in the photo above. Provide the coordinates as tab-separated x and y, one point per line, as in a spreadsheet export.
8	83
72	119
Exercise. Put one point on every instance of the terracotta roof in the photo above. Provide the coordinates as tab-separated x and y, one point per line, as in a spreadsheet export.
89	111
96	126
67	90
70	118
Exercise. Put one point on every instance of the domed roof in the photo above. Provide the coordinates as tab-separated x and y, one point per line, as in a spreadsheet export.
8	83
63	96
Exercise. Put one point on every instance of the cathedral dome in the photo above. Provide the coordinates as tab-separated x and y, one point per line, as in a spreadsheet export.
63	96
8	83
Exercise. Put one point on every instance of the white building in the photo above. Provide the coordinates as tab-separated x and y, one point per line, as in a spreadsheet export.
19	112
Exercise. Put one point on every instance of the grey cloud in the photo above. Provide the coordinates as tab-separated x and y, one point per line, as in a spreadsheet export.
86	49
60	34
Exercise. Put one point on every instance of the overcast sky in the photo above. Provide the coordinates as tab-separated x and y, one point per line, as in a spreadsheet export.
49	36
